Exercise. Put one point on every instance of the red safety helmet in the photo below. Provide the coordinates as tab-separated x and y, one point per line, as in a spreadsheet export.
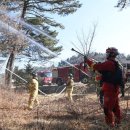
112	52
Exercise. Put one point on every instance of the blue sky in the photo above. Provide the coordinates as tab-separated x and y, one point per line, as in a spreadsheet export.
113	27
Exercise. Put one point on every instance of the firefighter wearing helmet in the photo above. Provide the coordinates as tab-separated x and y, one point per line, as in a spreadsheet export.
110	91
33	91
69	87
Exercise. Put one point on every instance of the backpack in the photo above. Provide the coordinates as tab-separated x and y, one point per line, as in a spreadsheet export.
115	77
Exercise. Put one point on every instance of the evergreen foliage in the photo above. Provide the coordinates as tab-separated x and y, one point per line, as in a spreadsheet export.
23	73
123	3
38	13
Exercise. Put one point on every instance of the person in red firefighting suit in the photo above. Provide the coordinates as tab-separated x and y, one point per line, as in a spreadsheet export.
110	91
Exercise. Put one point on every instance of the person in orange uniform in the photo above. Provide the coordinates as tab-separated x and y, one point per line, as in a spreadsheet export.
110	90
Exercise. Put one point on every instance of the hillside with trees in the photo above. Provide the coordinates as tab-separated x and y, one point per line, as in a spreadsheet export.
100	57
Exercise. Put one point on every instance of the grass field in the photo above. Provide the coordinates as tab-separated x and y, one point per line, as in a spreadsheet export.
55	112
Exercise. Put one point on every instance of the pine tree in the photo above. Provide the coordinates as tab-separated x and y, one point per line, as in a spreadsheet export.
37	13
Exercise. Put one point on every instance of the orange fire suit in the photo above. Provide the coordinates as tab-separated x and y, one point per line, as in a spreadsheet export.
33	91
111	101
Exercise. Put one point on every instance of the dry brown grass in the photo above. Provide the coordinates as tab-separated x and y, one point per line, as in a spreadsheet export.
54	112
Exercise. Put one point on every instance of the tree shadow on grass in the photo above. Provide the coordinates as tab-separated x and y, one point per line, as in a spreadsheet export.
47	125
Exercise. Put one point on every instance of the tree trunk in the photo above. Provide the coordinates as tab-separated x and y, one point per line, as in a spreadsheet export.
9	69
10	63
24	9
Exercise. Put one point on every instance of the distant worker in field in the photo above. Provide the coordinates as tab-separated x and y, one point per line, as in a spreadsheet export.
33	91
122	89
98	80
110	85
69	87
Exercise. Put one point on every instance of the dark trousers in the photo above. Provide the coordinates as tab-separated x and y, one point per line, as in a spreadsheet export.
101	97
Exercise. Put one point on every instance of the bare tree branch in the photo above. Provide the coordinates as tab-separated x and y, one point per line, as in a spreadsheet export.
92	38
76	47
86	43
81	43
